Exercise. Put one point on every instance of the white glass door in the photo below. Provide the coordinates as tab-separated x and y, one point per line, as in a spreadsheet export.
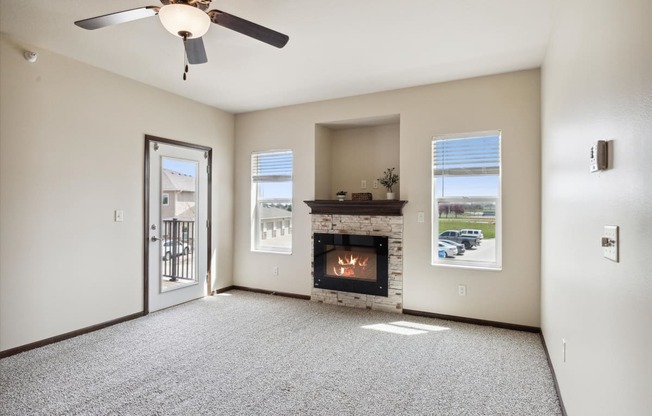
177	224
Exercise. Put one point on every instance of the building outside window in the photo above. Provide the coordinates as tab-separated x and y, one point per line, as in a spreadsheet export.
271	196
466	200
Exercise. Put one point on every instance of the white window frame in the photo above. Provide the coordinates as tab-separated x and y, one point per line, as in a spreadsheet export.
460	262
257	244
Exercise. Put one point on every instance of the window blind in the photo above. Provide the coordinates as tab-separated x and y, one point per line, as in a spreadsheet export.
271	166
466	156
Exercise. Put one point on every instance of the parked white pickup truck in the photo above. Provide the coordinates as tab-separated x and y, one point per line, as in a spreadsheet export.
457	236
477	233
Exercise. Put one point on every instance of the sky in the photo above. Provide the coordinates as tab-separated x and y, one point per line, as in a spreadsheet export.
276	190
468	186
181	166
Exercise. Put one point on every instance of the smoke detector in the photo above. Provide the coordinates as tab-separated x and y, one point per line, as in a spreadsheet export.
30	56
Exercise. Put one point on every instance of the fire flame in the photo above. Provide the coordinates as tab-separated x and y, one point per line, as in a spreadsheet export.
349	265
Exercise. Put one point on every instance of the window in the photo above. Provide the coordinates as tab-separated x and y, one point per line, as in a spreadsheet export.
166	199
271	196
466	202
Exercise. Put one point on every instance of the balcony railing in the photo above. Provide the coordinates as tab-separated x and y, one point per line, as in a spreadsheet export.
177	250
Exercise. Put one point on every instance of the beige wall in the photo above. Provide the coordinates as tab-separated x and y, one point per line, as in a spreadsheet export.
323	172
363	153
71	152
510	102
597	84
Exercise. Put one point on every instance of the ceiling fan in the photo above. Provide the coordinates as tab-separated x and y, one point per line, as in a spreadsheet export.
189	20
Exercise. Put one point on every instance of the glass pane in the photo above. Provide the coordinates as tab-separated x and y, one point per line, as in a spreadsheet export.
274	190
273	216
275	225
465	186
470	227
466	191
178	223
351	262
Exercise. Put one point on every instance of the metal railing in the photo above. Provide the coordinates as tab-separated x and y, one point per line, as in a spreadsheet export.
178	251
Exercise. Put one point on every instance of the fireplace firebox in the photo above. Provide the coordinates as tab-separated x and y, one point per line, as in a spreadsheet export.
351	263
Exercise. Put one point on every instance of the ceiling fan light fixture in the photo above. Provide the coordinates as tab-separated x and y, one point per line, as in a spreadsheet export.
180	19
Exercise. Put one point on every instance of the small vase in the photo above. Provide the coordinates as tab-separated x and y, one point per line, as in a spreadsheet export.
341	197
390	195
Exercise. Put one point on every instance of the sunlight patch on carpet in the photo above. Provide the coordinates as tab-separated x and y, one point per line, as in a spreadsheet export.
420	326
393	329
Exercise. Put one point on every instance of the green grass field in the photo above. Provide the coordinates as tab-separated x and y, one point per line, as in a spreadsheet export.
488	229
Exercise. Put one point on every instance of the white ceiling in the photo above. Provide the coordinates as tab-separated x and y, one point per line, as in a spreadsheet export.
337	48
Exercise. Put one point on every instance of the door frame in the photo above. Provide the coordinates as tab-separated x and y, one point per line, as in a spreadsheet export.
146	244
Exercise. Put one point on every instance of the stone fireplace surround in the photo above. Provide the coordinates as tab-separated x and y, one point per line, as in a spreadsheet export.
390	226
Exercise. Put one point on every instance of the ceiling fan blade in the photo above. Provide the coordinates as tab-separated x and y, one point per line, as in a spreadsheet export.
117	17
248	28
195	51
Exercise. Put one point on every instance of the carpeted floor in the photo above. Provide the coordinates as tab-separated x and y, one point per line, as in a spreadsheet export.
244	353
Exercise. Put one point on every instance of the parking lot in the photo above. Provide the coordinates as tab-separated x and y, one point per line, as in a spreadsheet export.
486	251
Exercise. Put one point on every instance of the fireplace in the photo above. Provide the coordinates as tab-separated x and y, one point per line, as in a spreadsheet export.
351	263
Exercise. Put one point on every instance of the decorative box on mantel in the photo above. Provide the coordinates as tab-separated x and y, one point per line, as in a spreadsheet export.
351	221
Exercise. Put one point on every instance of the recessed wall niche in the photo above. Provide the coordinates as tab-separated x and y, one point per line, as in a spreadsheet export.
349	152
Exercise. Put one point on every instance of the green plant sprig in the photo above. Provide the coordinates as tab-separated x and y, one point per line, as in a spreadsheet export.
389	179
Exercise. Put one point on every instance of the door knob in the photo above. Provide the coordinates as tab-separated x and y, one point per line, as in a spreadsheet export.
154	239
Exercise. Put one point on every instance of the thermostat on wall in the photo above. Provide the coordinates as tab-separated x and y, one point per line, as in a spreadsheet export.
598	156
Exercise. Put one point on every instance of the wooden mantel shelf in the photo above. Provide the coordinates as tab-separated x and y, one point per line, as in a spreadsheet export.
379	207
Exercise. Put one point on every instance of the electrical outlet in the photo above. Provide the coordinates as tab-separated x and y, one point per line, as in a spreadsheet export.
376	183
461	290
275	271
363	184
563	343
421	216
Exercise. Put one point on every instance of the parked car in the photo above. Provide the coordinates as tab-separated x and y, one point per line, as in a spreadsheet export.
460	246
453	235
477	233
168	249
450	250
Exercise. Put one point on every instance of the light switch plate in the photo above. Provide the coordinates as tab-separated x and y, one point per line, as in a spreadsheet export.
610	248
119	215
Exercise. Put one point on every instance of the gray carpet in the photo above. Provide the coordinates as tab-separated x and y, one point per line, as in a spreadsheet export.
251	354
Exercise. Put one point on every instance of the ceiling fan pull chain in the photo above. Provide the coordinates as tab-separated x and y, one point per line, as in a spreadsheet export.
185	56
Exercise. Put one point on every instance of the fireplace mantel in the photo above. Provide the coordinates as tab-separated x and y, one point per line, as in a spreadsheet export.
379	207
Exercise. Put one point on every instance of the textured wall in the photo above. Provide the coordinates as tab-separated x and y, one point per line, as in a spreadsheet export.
597	84
71	152
364	153
510	102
